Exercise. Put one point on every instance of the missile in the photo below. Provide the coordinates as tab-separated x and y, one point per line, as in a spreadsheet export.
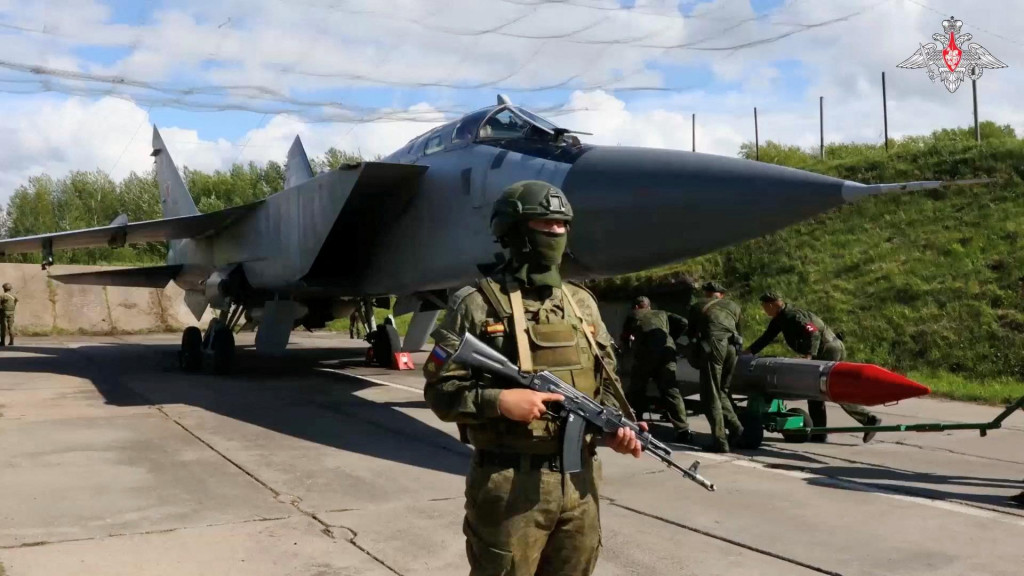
839	382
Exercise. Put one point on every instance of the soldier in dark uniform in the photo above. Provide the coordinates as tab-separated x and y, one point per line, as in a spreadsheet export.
651	335
714	329
524	514
809	336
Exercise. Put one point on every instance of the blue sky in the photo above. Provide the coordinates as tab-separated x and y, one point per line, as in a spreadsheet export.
370	60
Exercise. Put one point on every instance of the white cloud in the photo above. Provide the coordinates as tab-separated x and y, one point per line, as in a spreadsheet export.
291	46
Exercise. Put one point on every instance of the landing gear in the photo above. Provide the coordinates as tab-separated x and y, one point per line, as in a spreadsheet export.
218	343
190	357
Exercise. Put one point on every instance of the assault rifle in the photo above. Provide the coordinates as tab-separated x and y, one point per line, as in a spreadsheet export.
578	409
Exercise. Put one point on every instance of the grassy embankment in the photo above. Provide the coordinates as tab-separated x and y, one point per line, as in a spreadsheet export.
922	283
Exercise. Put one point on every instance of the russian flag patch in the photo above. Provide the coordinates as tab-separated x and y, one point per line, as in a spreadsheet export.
438	356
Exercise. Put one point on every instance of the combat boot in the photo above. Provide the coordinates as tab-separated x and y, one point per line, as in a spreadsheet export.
684	437
874	421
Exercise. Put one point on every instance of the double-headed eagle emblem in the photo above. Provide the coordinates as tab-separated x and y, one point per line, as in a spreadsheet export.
945	63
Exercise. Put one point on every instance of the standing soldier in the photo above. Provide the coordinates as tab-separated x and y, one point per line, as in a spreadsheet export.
8	302
524	515
807	335
714	329
355	324
651	335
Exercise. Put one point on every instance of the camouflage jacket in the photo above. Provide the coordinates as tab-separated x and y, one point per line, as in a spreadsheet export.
717	319
455	394
8	302
803	331
652	330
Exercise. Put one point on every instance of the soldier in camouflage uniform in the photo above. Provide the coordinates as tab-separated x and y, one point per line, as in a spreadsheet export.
809	336
524	515
714	328
651	335
8	302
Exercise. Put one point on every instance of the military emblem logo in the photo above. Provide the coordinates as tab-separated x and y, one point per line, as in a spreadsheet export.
952	62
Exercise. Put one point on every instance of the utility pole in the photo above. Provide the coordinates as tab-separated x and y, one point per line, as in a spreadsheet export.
885	115
757	140
977	127
821	124
693	137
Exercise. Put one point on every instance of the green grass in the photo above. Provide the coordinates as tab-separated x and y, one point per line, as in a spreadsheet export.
994	391
921	283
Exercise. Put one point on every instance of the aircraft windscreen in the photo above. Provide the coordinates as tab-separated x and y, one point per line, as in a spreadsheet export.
536	119
505	124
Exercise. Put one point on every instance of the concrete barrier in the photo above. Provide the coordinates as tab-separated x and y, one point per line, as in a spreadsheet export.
46	306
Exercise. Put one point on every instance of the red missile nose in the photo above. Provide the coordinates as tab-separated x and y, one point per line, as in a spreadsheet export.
870	385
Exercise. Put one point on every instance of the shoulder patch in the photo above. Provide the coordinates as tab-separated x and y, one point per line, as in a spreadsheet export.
460	295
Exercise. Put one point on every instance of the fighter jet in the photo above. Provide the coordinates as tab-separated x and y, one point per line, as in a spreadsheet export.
416	224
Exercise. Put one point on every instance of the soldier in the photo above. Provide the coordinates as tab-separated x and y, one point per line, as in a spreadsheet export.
355	324
8	302
808	336
524	515
714	328
651	335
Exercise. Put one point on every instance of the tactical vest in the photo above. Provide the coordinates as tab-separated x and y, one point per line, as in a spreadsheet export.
7	302
557	344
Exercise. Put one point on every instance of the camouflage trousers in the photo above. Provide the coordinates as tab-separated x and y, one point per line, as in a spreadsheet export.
6	328
715	375
663	370
527	522
835	351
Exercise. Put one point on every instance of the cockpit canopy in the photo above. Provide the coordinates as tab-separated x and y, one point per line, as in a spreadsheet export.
504	126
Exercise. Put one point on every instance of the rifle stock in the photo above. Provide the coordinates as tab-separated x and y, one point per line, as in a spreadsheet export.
578	408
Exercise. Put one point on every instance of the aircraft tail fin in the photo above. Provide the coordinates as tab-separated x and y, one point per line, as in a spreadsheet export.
297	168
175	199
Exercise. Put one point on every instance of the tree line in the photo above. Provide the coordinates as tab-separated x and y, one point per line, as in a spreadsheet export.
87	199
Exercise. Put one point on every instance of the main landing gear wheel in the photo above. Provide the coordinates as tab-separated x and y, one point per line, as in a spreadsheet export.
190	357
385	343
223	346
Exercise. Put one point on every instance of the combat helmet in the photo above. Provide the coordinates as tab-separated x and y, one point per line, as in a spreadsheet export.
528	200
8	287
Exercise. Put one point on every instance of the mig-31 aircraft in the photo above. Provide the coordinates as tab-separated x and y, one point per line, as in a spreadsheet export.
416	224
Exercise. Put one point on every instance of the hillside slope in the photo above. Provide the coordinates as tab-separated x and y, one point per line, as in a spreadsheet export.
924	283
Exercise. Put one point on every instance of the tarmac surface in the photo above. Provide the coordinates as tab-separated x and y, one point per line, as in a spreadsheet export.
115	463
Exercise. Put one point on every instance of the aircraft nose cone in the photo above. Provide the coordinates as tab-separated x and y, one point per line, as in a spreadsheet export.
638	208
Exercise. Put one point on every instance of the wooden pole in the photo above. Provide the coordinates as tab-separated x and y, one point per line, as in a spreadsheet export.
885	115
977	127
821	124
757	141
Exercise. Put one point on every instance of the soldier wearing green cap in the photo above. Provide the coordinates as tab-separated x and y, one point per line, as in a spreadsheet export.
8	302
806	334
714	327
651	335
524	514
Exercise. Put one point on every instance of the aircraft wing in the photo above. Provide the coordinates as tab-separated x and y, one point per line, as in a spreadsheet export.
120	233
141	277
